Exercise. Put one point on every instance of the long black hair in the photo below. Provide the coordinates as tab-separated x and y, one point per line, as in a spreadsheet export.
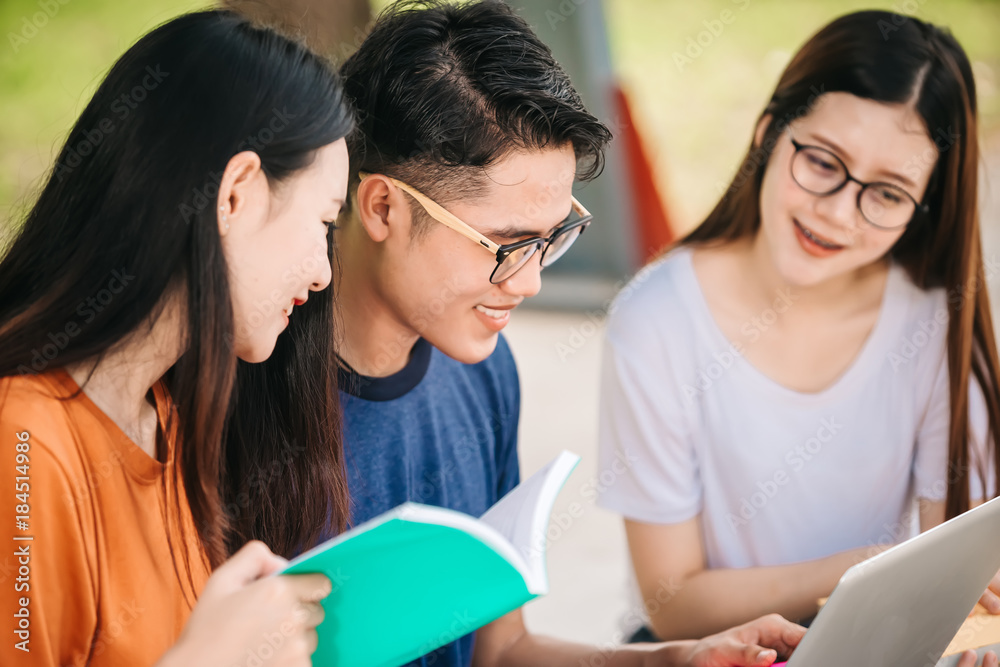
128	214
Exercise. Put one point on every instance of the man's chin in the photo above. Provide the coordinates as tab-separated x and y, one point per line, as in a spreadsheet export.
467	349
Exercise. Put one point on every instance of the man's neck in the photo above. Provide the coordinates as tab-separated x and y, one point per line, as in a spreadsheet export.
372	339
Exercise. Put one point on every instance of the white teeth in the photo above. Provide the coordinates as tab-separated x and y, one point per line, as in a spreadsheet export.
818	241
489	312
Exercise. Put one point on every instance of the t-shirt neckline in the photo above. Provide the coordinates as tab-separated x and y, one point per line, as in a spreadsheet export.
143	467
393	386
862	365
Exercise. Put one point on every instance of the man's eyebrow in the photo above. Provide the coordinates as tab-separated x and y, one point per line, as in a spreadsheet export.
514	232
841	152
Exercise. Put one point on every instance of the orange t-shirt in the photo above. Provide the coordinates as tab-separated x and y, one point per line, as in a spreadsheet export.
87	568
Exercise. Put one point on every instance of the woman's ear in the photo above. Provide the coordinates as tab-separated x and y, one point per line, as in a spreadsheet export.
382	207
762	125
240	180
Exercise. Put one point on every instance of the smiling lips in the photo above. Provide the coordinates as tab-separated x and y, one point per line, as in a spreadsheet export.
295	302
813	243
495	318
495	313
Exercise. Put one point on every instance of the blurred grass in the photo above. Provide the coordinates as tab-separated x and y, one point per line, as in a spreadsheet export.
46	82
697	119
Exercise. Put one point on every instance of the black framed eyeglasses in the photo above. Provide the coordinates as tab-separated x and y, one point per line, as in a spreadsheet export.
884	205
512	256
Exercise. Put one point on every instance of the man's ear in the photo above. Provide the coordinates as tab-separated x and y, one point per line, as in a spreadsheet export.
762	125
382	207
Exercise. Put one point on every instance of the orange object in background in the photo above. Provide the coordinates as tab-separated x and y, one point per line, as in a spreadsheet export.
654	232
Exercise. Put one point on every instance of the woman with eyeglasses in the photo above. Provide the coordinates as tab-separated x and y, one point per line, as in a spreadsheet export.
167	399
811	374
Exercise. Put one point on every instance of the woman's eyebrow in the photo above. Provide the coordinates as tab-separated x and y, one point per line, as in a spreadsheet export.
841	152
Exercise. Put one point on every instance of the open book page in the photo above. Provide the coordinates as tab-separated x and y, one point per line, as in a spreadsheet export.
522	516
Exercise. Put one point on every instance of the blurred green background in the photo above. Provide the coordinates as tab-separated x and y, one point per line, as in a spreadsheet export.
696	118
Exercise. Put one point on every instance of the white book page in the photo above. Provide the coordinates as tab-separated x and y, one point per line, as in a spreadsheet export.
522	516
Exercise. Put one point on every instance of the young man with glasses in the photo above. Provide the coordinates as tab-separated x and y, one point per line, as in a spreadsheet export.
469	139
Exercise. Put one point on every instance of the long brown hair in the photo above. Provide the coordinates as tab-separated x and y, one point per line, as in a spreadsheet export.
884	57
133	192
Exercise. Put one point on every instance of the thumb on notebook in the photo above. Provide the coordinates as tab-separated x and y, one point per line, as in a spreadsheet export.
253	561
242	608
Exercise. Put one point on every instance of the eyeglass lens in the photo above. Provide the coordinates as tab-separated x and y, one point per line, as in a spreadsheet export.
821	172
519	257
514	261
560	245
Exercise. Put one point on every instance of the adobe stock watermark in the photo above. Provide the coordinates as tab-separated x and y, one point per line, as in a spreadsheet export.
32	25
704	39
666	590
759	155
943	139
122	108
931	329
751	330
264	309
562	522
259	479
901	530
204	197
795	459
422	318
563	12
462	623
88	310
916	167
118	625
581	334
468	450
903	12
271	642
81	489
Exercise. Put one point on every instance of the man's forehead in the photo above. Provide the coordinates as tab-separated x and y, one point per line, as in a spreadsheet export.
540	167
534	186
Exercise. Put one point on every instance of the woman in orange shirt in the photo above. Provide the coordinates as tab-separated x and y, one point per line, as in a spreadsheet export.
147	425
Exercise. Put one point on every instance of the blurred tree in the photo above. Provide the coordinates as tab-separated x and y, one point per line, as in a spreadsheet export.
334	28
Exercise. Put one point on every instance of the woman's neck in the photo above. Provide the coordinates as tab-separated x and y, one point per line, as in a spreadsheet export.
120	383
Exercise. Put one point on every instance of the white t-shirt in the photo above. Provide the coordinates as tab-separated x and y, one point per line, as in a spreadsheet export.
777	476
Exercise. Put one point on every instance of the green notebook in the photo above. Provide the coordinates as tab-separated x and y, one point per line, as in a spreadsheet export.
419	577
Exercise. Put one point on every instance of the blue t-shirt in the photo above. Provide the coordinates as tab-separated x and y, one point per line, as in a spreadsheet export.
438	432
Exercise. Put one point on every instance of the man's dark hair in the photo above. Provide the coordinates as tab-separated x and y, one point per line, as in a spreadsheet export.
443	90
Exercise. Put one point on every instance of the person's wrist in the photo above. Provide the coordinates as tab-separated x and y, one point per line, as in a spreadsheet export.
675	654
